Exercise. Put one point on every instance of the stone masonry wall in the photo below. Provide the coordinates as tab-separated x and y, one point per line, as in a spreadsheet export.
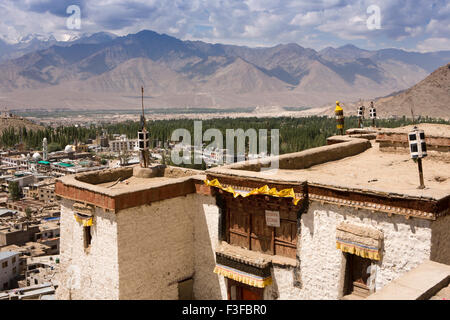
89	274
407	243
156	248
440	240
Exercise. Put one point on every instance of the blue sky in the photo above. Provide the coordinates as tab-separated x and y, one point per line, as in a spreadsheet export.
406	24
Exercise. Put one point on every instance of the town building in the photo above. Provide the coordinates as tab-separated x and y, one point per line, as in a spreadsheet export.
16	161
340	221
123	144
9	269
47	193
41	270
45	291
24	204
18	234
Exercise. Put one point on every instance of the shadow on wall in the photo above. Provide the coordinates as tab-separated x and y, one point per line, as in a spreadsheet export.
440	240
207	284
273	293
308	222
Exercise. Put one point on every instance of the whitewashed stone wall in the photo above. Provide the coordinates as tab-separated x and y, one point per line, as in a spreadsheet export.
407	243
282	287
89	274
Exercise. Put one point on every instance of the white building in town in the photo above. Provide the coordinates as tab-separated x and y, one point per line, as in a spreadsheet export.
123	144
9	268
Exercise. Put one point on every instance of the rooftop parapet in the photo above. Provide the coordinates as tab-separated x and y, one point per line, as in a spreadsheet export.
117	189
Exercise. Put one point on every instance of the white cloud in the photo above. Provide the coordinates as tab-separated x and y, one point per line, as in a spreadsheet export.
235	21
308	19
434	44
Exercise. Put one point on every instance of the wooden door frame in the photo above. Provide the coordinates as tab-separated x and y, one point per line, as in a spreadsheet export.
231	282
349	272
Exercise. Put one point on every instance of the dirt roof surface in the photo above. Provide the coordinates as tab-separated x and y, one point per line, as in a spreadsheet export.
133	182
430	129
378	171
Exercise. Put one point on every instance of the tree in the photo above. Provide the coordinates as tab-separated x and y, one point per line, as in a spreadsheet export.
54	146
14	190
124	157
28	213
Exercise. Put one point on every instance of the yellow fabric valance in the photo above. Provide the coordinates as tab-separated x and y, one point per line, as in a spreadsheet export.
357	250
243	277
85	221
363	241
285	193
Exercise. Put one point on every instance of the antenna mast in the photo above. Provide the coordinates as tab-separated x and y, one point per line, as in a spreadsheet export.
143	138
143	116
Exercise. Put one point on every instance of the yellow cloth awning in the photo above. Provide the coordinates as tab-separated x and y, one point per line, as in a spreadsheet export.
363	241
243	277
85	221
285	193
372	254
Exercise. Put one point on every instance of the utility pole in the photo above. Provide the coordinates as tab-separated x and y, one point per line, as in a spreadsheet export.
418	150
419	163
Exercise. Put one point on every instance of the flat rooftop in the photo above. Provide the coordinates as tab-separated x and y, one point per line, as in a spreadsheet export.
8	254
354	164
378	171
430	129
132	183
125	187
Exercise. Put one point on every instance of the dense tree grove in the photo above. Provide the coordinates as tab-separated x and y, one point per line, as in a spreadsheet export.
296	134
57	138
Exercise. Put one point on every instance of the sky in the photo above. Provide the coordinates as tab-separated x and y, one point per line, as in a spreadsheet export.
369	24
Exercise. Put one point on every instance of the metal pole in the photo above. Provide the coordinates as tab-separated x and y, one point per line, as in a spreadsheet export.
419	163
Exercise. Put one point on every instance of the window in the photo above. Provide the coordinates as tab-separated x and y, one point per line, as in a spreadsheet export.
13	260
5	264
14	270
247	228
87	237
5	286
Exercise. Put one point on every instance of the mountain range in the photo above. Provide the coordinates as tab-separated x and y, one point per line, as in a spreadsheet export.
103	71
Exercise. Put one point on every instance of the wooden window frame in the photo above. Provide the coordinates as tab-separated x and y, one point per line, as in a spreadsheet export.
250	235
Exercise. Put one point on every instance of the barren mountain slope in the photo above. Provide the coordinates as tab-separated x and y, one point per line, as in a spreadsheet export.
430	97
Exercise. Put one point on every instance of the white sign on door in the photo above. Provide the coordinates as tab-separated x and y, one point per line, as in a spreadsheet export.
273	218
